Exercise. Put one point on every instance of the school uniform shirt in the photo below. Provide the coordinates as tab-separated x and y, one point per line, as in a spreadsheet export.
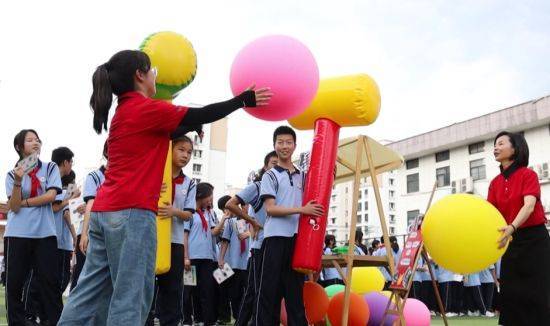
214	220
33	222
237	251
497	269
396	256
472	280
138	141
184	191
485	276
426	275
251	195
444	275
286	188
330	273
507	190
62	230
93	181
418	274
200	237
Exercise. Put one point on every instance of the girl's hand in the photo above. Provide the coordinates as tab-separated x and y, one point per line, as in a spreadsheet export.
221	263
506	236
18	174
263	95
83	243
166	211
244	235
81	209
76	194
187	264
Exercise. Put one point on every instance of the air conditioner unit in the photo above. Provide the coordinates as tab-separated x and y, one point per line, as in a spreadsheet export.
465	185
544	170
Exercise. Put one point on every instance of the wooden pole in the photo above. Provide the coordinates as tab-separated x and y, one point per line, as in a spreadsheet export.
351	247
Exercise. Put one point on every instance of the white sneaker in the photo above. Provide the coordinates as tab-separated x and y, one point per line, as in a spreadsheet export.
473	314
461	314
450	314
432	313
489	314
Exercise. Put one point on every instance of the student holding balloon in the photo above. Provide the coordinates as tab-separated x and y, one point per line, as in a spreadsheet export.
117	282
525	267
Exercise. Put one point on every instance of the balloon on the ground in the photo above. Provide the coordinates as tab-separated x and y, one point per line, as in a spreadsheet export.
460	232
358	312
332	290
315	302
416	313
175	59
286	66
366	279
377	305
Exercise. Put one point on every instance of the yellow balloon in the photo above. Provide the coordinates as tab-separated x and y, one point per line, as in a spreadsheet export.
460	233
349	101
366	279
174	57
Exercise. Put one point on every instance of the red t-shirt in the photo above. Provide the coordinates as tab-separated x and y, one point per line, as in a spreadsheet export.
138	144
507	190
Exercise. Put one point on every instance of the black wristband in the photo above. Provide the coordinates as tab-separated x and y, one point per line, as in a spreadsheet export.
248	98
512	225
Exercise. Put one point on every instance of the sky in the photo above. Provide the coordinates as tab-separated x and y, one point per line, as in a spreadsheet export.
436	62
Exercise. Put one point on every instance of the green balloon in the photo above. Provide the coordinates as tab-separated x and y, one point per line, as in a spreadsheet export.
331	290
340	250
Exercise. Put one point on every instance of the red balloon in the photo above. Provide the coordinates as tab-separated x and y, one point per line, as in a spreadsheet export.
315	301
283	313
358	312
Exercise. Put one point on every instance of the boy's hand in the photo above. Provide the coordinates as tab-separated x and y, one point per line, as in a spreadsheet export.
221	263
244	235
312	209
187	264
256	227
76	193
81	209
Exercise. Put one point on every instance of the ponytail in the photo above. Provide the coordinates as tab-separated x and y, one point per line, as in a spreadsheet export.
115	77
102	98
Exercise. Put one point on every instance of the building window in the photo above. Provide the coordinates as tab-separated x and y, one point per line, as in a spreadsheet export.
412	183
333	197
360	194
391	182
366	192
412	215
333	209
358	218
442	156
197	153
197	168
411	164
392	230
476	147
392	218
477	169
197	140
197	180
366	205
392	206
346	190
443	176
366	217
359	206
334	220
392	194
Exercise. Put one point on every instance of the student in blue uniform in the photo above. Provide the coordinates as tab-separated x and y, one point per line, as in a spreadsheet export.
330	275
235	249
416	288
445	278
473	298
428	293
93	181
30	236
488	278
281	190
250	196
457	290
66	234
496	289
168	304
396	252
199	252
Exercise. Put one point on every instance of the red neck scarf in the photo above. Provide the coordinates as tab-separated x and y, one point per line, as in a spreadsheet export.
35	183
243	243
203	220
177	180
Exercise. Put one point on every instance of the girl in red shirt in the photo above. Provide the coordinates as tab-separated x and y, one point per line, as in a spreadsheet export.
525	267
117	281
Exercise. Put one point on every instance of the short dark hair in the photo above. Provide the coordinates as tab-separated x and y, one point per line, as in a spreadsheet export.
266	162
329	238
68	179
106	150
283	130
374	243
182	138
222	201
19	140
358	234
204	190
61	154
521	149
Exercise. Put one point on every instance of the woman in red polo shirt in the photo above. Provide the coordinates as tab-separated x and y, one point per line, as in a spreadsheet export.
116	284
525	268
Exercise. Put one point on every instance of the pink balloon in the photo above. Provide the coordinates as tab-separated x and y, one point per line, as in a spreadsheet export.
416	313
286	66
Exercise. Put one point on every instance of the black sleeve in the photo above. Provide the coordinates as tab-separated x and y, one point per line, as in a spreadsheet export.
216	111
